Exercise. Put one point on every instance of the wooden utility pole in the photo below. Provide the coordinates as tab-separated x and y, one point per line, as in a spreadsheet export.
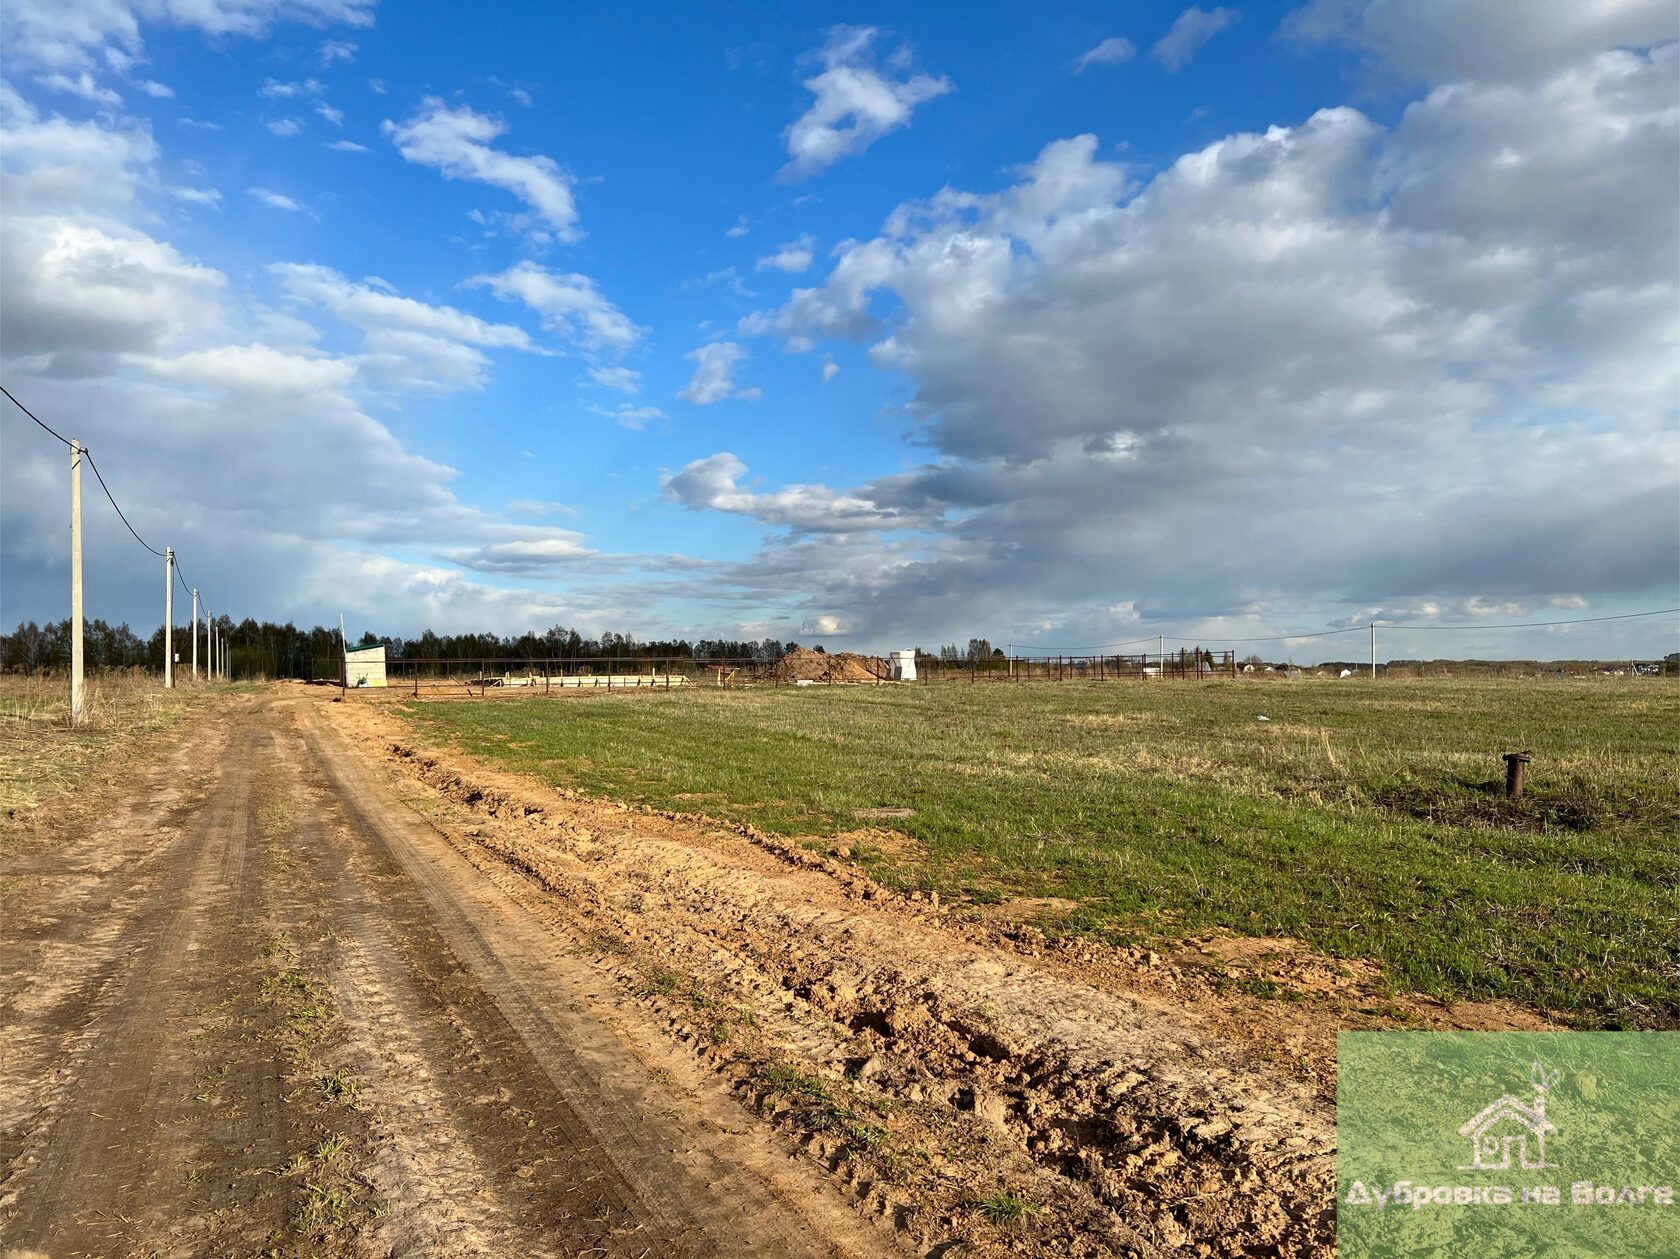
77	699
195	634
168	616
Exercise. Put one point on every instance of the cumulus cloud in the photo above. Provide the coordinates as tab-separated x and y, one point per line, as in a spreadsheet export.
457	142
405	341
258	368
857	101
571	305
1436	361
712	484
793	257
333	50
1441	41
82	85
1112	51
1189	31
284	127
714	374
79	34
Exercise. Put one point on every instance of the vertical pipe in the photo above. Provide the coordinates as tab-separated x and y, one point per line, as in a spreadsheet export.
168	616
78	706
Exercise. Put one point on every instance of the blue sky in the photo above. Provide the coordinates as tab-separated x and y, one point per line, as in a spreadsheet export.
883	326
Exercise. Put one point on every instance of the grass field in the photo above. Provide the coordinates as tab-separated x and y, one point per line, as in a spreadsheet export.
1368	820
41	754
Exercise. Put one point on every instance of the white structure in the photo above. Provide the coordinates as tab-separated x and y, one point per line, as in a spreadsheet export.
365	666
901	666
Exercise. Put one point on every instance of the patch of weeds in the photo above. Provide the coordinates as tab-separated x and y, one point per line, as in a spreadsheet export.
339	1086
324	1207
1006	1208
791	1082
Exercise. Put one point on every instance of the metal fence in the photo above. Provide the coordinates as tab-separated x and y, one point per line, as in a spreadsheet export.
481	677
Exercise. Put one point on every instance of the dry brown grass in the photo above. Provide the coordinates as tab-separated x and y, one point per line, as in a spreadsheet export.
42	755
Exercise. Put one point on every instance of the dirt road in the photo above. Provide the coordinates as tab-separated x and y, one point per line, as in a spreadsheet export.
252	1004
287	981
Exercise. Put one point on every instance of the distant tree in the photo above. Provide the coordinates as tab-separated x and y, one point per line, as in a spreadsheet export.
819	650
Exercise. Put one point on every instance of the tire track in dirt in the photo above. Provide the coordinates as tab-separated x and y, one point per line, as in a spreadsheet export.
1126	1112
606	1155
274	1012
111	1164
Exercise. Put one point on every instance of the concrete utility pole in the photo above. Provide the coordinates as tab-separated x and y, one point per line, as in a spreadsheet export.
195	633
77	700
1373	651
210	645
168	616
1161	654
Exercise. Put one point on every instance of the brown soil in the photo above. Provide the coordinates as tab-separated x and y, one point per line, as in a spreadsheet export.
253	1004
299	983
803	665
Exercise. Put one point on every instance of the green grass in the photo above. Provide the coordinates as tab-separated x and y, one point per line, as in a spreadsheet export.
1367	819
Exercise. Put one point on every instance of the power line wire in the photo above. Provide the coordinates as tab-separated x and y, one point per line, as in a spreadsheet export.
1585	620
119	510
33	416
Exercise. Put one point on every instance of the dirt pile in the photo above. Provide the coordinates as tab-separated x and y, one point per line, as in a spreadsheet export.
803	665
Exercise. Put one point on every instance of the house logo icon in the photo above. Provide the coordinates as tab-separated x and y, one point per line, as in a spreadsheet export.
1510	1126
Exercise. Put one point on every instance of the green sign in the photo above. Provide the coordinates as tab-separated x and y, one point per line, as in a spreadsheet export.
1505	1145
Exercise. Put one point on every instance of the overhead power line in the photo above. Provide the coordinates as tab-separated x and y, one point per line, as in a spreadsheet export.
1583	620
33	416
118	510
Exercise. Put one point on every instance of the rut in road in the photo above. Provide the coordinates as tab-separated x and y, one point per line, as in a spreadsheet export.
257	1014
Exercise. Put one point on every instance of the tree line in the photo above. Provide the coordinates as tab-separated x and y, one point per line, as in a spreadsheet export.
267	649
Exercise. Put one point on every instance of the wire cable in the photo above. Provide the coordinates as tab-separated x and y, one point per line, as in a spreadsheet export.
119	510
1585	620
33	416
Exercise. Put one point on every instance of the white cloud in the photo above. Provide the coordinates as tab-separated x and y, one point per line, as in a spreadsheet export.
857	102
457	142
1189	31
257	368
198	196
624	379
199	124
1112	51
81	85
532	508
626	415
569	304
275	90
712	484
336	50
75	34
714	371
1440	41
830	369
1429	362
793	257
156	90
345	146
377	87
334	116
284	126
275	200
741	228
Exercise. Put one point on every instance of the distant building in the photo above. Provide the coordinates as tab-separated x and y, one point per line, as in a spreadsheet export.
364	666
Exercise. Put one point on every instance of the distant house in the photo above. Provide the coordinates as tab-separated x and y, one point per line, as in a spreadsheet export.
364	666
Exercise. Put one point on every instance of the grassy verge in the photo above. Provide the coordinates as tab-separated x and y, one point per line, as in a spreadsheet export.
1366	820
42	755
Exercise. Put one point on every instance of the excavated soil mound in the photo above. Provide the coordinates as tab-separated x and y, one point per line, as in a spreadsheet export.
802	665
